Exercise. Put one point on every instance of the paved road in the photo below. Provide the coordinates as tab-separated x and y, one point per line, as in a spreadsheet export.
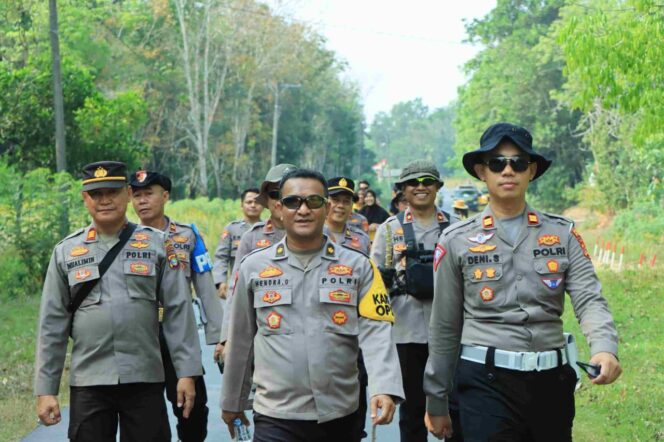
217	431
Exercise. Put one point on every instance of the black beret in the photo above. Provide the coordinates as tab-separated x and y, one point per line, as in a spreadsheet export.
144	178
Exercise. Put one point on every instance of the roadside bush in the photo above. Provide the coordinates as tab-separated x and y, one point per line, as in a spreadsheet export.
645	222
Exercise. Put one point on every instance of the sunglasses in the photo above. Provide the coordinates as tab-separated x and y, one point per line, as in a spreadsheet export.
294	202
498	164
273	194
425	181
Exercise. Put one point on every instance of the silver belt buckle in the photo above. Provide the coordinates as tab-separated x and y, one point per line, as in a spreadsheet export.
529	361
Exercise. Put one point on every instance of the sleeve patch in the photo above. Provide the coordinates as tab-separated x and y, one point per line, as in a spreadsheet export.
438	255
376	303
582	243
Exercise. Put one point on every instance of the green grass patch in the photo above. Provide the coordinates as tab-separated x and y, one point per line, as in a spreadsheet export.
18	323
631	408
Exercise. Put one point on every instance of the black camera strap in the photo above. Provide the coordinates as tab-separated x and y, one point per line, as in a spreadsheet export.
81	291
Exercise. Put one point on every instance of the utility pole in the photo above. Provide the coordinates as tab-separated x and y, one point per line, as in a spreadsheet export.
60	156
276	89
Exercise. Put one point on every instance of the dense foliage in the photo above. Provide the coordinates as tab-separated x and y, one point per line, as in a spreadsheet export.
185	87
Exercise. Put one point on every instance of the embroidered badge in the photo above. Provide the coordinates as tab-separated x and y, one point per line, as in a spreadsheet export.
79	251
482	248
140	268
532	219
224	234
171	256
552	283
139	244
263	243
180	239
552	265
271	297
141	237
400	247
141	175
481	237
548	240
340	317
581	242
409	217
487	222
172	228
355	242
81	274
339	296
440	217
268	226
438	256
101	172
477	274
486	293
340	270
399	231
273	320
491	272
343	182
270	272
365	225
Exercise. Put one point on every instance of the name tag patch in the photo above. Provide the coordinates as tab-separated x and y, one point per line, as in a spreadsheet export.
81	262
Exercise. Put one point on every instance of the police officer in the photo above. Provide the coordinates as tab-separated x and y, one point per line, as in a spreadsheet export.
306	305
460	208
224	255
341	191
337	228
500	281
403	247
116	367
262	234
150	191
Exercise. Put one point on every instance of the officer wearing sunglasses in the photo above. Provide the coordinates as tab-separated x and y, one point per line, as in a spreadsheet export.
500	282
305	306
403	248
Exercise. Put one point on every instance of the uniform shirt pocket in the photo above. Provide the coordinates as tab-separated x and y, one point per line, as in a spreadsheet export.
140	278
84	274
273	311
484	286
339	310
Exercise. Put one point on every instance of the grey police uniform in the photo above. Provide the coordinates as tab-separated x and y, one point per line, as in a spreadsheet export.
412	314
224	255
358	221
262	234
353	238
184	240
305	327
115	330
492	292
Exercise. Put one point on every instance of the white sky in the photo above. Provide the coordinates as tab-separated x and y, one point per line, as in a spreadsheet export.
396	50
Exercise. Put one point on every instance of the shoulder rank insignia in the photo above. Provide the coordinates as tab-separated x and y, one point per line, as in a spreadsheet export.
330	250
268	226
548	240
552	283
340	270
440	217
409	217
481	237
375	304
270	272
482	248
487	222
263	243
533	219
79	251
172	228
280	251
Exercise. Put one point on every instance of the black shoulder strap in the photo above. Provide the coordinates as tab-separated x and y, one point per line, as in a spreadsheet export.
444	224
408	233
81	291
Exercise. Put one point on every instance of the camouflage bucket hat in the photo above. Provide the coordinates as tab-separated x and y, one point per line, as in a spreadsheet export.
274	175
419	169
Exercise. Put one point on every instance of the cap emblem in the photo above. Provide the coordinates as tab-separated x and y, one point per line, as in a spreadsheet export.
100	172
343	182
141	175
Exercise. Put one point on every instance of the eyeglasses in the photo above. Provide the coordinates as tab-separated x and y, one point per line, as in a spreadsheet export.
294	202
425	181
273	194
498	164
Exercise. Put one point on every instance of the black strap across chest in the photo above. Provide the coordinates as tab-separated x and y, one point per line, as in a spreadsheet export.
81	291
413	249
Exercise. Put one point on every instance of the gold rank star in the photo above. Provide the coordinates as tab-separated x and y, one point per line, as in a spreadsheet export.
478	274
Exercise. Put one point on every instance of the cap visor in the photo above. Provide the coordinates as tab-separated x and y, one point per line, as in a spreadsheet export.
103	185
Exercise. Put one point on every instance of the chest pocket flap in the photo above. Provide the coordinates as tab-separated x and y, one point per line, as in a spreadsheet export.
273	297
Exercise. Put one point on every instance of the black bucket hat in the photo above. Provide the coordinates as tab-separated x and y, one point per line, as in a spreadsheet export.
494	135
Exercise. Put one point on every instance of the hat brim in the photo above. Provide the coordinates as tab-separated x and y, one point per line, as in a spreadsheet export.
343	191
117	184
475	157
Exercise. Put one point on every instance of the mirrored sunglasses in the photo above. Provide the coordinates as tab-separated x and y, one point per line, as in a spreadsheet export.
425	181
